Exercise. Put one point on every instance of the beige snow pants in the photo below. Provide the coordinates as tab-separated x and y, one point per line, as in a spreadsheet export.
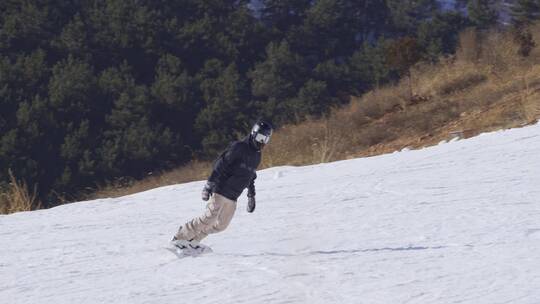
218	215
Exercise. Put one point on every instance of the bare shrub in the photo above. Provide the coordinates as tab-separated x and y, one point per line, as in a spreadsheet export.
470	47
381	101
441	114
373	135
530	95
292	144
428	75
17	197
524	39
409	122
500	53
326	145
461	82
534	56
531	108
450	77
313	141
357	116
370	106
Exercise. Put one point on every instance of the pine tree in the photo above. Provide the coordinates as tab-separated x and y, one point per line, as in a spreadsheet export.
524	12
281	15
224	116
407	15
482	13
401	55
276	81
368	66
460	4
440	34
177	100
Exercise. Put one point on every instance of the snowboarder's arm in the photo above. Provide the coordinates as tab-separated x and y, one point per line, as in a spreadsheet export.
251	187
251	195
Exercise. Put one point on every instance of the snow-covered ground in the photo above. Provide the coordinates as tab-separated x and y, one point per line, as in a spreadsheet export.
455	223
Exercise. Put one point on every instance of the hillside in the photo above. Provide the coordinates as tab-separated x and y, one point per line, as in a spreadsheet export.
103	92
484	87
454	223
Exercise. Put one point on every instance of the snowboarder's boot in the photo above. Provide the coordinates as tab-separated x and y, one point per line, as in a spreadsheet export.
183	244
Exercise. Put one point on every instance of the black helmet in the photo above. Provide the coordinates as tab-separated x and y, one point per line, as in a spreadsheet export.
261	133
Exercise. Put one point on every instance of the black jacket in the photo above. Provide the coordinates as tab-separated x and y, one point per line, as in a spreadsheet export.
234	169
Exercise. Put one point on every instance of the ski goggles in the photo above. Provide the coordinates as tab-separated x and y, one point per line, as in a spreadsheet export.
261	138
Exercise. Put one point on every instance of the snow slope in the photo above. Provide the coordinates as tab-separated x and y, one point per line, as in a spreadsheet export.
455	223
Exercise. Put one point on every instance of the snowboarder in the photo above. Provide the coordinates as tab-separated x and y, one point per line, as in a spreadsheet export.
233	171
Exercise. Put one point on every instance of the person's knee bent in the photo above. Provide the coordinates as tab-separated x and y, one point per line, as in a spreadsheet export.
220	226
212	212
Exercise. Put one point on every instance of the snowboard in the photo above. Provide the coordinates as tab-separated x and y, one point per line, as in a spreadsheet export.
182	252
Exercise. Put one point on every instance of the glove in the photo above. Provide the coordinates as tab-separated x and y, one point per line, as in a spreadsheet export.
207	191
251	204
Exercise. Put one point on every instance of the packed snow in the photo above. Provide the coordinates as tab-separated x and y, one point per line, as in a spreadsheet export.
454	223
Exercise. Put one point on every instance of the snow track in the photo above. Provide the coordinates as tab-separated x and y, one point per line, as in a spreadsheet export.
455	223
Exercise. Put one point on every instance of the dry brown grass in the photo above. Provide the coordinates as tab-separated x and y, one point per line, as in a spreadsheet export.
313	141
195	170
16	197
376	104
470	48
484	87
460	83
